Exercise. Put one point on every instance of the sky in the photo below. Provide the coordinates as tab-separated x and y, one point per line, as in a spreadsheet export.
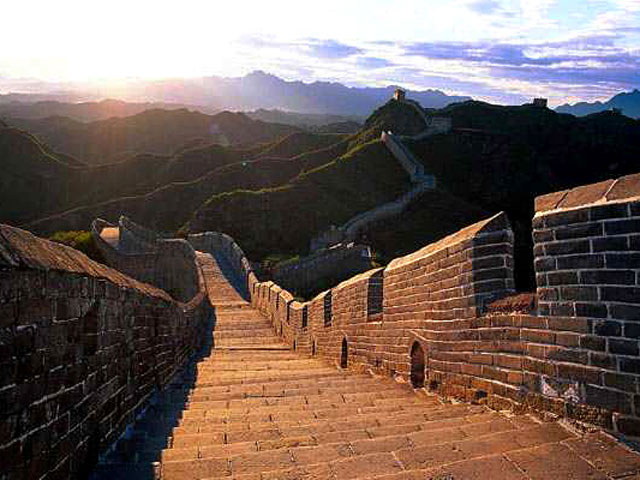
495	50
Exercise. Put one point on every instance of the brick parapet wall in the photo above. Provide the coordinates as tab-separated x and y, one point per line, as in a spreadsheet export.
577	357
167	263
587	262
364	309
83	348
135	238
338	263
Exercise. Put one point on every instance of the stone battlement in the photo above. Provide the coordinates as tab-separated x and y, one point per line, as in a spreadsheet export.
83	348
576	356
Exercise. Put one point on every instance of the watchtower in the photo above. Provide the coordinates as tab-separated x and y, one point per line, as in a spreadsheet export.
540	102
399	94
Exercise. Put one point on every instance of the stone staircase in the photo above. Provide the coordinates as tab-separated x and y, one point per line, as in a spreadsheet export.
252	409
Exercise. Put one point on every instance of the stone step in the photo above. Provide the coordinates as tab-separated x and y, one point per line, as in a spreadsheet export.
286	418
357	430
242	333
285	387
212	380
295	403
346	386
358	461
254	366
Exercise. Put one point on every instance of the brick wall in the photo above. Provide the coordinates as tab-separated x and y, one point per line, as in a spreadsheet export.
587	261
578	356
329	265
435	291
82	347
170	264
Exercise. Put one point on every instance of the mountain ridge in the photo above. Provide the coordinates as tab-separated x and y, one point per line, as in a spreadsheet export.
260	90
628	102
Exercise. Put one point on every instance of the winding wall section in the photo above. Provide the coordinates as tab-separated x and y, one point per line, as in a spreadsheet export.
578	356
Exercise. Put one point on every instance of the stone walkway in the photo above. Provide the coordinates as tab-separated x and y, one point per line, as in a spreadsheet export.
256	410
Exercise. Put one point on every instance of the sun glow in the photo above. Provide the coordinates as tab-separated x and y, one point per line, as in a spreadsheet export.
487	44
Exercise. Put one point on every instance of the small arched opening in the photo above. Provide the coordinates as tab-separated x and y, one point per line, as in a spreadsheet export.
313	348
417	365
294	345
344	355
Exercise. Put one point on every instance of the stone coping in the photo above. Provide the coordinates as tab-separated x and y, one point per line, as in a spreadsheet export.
497	222
609	191
20	249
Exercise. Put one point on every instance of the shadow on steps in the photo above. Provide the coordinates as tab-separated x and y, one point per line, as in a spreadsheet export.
134	455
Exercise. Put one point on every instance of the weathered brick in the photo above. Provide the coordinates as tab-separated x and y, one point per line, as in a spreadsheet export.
579	231
603	360
591	342
540	236
625	312
545	264
568	247
623	260
610	244
567	218
608	277
631	365
562	278
584	294
580	262
593	310
627	383
620	227
620	294
580	373
623	346
571	324
609	399
607	328
615	210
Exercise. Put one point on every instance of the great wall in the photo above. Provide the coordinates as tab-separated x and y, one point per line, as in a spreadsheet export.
333	253
431	367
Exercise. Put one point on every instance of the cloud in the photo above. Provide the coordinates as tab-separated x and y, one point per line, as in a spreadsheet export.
484	7
371	63
329	49
597	50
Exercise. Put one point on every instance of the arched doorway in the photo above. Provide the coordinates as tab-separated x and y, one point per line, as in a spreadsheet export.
417	365
344	355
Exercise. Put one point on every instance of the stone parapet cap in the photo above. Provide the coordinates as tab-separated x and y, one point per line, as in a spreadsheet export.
357	278
623	189
495	223
20	249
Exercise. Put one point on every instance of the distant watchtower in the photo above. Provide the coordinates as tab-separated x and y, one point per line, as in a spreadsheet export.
399	94
540	102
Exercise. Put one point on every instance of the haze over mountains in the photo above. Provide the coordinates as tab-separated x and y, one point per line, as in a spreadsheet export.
275	186
628	102
255	91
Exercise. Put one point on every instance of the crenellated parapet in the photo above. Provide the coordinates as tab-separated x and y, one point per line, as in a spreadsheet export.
84	347
445	316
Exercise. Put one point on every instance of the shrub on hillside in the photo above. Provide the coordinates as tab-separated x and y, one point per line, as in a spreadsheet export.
80	240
